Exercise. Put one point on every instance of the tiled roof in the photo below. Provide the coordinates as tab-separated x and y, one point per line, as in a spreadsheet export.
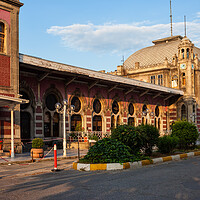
156	54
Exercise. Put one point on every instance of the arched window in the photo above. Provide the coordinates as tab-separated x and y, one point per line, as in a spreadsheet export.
51	100
24	96
183	79
76	122
118	120
175	81
77	103
56	125
2	37
183	112
112	122
188	52
97	123
182	51
47	124
131	121
158	123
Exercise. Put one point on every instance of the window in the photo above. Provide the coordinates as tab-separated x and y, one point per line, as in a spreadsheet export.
188	52
160	80
115	107
183	112
183	79
51	100
157	112
97	106
97	123
76	122
131	109
175	81
131	121
182	51
153	79
76	102
2	37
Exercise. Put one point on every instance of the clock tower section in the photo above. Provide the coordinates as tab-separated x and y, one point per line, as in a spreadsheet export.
186	66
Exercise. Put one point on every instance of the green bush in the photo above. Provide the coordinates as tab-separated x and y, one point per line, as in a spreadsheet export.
128	135
167	143
186	132
109	150
37	143
149	135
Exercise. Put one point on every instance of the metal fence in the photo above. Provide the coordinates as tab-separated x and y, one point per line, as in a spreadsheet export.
82	136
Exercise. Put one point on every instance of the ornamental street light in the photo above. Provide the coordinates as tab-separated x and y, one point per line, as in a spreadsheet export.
62	109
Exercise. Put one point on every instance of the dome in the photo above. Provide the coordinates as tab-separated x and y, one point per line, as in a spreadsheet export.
156	54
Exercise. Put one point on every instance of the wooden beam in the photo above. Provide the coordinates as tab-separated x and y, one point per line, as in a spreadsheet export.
157	95
112	88
144	93
43	76
93	84
70	81
168	97
131	90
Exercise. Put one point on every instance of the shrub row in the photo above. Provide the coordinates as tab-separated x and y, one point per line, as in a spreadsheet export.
127	143
143	137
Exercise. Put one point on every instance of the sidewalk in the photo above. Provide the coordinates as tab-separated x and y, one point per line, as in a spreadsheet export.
26	157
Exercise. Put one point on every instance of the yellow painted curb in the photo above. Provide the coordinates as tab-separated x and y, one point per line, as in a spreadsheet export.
167	158
126	165
184	155
197	153
94	167
146	162
75	165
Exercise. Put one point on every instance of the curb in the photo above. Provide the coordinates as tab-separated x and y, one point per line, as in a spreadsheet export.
118	166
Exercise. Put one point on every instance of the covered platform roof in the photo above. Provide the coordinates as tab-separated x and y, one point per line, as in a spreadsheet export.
43	68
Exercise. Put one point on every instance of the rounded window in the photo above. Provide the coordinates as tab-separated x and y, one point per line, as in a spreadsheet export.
115	107
157	112
51	100
24	96
131	109
97	106
77	103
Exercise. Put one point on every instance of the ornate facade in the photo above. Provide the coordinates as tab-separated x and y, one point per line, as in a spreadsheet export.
171	62
102	101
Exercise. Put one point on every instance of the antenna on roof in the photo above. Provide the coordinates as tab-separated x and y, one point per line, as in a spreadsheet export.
185	24
122	59
171	16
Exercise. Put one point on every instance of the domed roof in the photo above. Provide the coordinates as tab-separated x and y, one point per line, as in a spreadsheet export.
156	54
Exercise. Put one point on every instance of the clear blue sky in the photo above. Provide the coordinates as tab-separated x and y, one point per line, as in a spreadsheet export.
94	34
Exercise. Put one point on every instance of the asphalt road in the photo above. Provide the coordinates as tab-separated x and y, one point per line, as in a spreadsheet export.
167	181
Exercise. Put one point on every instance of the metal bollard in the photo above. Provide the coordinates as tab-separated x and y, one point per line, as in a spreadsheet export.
55	159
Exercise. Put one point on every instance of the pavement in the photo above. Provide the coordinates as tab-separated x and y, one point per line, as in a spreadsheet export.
48	155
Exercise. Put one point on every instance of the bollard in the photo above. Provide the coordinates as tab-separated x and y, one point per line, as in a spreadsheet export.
55	159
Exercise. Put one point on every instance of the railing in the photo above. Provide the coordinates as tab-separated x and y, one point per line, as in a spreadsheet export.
82	136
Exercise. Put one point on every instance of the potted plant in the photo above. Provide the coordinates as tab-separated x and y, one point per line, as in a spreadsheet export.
37	148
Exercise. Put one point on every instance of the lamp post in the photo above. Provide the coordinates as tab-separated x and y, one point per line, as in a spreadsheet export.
62	109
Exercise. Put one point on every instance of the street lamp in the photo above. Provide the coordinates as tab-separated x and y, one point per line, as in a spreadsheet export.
62	109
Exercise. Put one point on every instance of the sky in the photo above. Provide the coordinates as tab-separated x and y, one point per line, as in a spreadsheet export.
97	34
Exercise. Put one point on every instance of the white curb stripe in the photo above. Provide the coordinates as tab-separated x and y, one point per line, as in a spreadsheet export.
157	160
176	157
114	166
84	167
